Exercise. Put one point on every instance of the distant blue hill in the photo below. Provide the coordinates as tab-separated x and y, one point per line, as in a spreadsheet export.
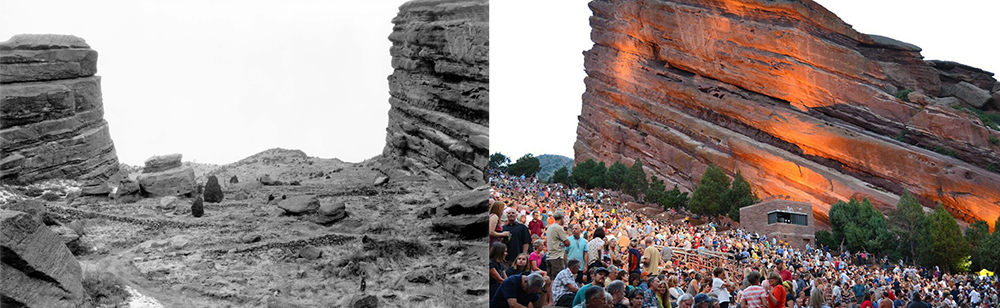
550	163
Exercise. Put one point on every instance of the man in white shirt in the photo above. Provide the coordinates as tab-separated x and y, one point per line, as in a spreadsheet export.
974	297
719	287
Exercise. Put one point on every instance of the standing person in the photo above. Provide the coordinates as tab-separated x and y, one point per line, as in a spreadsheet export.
756	296
498	273
786	275
536	224
917	302
720	287
595	248
577	249
496	230
652	255
634	257
556	239
519	240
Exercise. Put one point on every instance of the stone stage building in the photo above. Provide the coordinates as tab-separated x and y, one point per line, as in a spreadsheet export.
789	221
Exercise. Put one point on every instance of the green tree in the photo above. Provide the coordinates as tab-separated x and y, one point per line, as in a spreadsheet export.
616	176
527	165
825	238
656	192
499	161
674	198
635	183
709	196
859	226
599	179
738	196
989	251
944	245
977	234
907	223
589	174
561	176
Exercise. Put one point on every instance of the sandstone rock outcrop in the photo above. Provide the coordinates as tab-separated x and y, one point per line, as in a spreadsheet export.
464	214
439	120
165	176
51	113
37	268
787	93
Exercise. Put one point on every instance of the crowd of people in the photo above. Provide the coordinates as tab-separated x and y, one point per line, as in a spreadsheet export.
552	245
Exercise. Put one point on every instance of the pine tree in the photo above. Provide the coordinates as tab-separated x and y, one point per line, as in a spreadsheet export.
710	194
944	244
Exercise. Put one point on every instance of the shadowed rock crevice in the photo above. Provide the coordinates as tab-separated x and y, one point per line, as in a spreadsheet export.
10	258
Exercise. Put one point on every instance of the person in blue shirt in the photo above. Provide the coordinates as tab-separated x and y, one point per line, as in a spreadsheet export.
519	291
577	249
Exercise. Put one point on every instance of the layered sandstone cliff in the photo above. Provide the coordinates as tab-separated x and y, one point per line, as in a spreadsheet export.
52	122
793	97
439	120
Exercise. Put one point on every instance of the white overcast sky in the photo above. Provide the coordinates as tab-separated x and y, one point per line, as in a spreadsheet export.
221	80
536	57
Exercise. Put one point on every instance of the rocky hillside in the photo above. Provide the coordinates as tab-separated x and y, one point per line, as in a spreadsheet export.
439	120
786	92
52	116
550	163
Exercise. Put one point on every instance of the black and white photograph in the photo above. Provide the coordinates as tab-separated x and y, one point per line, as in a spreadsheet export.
244	153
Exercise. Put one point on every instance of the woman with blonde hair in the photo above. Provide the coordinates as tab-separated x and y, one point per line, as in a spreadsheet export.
496	230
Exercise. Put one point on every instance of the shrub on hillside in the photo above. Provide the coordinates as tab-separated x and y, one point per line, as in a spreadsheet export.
213	191
104	288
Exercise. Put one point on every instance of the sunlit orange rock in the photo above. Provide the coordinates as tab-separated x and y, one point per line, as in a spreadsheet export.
787	93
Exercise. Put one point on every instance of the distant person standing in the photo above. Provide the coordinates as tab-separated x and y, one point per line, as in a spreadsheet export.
577	249
556	240
520	238
720	287
535	225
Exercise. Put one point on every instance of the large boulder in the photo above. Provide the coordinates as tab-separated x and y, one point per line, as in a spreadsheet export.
177	181
162	162
299	205
472	202
464	214
213	191
37	269
332	212
967	92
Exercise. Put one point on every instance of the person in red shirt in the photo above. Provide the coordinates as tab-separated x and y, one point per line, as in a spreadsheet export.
778	291
535	226
868	301
786	275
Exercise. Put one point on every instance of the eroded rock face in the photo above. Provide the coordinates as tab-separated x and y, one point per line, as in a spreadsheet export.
439	120
51	113
788	94
37	268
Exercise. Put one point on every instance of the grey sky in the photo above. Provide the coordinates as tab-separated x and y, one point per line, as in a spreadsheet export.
537	62
221	80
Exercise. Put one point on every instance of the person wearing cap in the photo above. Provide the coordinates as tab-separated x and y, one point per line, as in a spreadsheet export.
702	300
519	291
598	274
556	240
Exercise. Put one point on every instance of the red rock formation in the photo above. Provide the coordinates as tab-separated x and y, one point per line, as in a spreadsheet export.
789	94
439	120
52	115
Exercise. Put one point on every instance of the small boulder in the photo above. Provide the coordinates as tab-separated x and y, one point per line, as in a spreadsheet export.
234	180
299	205
241	195
67	234
364	301
250	238
332	212
213	191
423	275
179	242
381	180
167	203
197	208
162	162
968	92
310	252
472	202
